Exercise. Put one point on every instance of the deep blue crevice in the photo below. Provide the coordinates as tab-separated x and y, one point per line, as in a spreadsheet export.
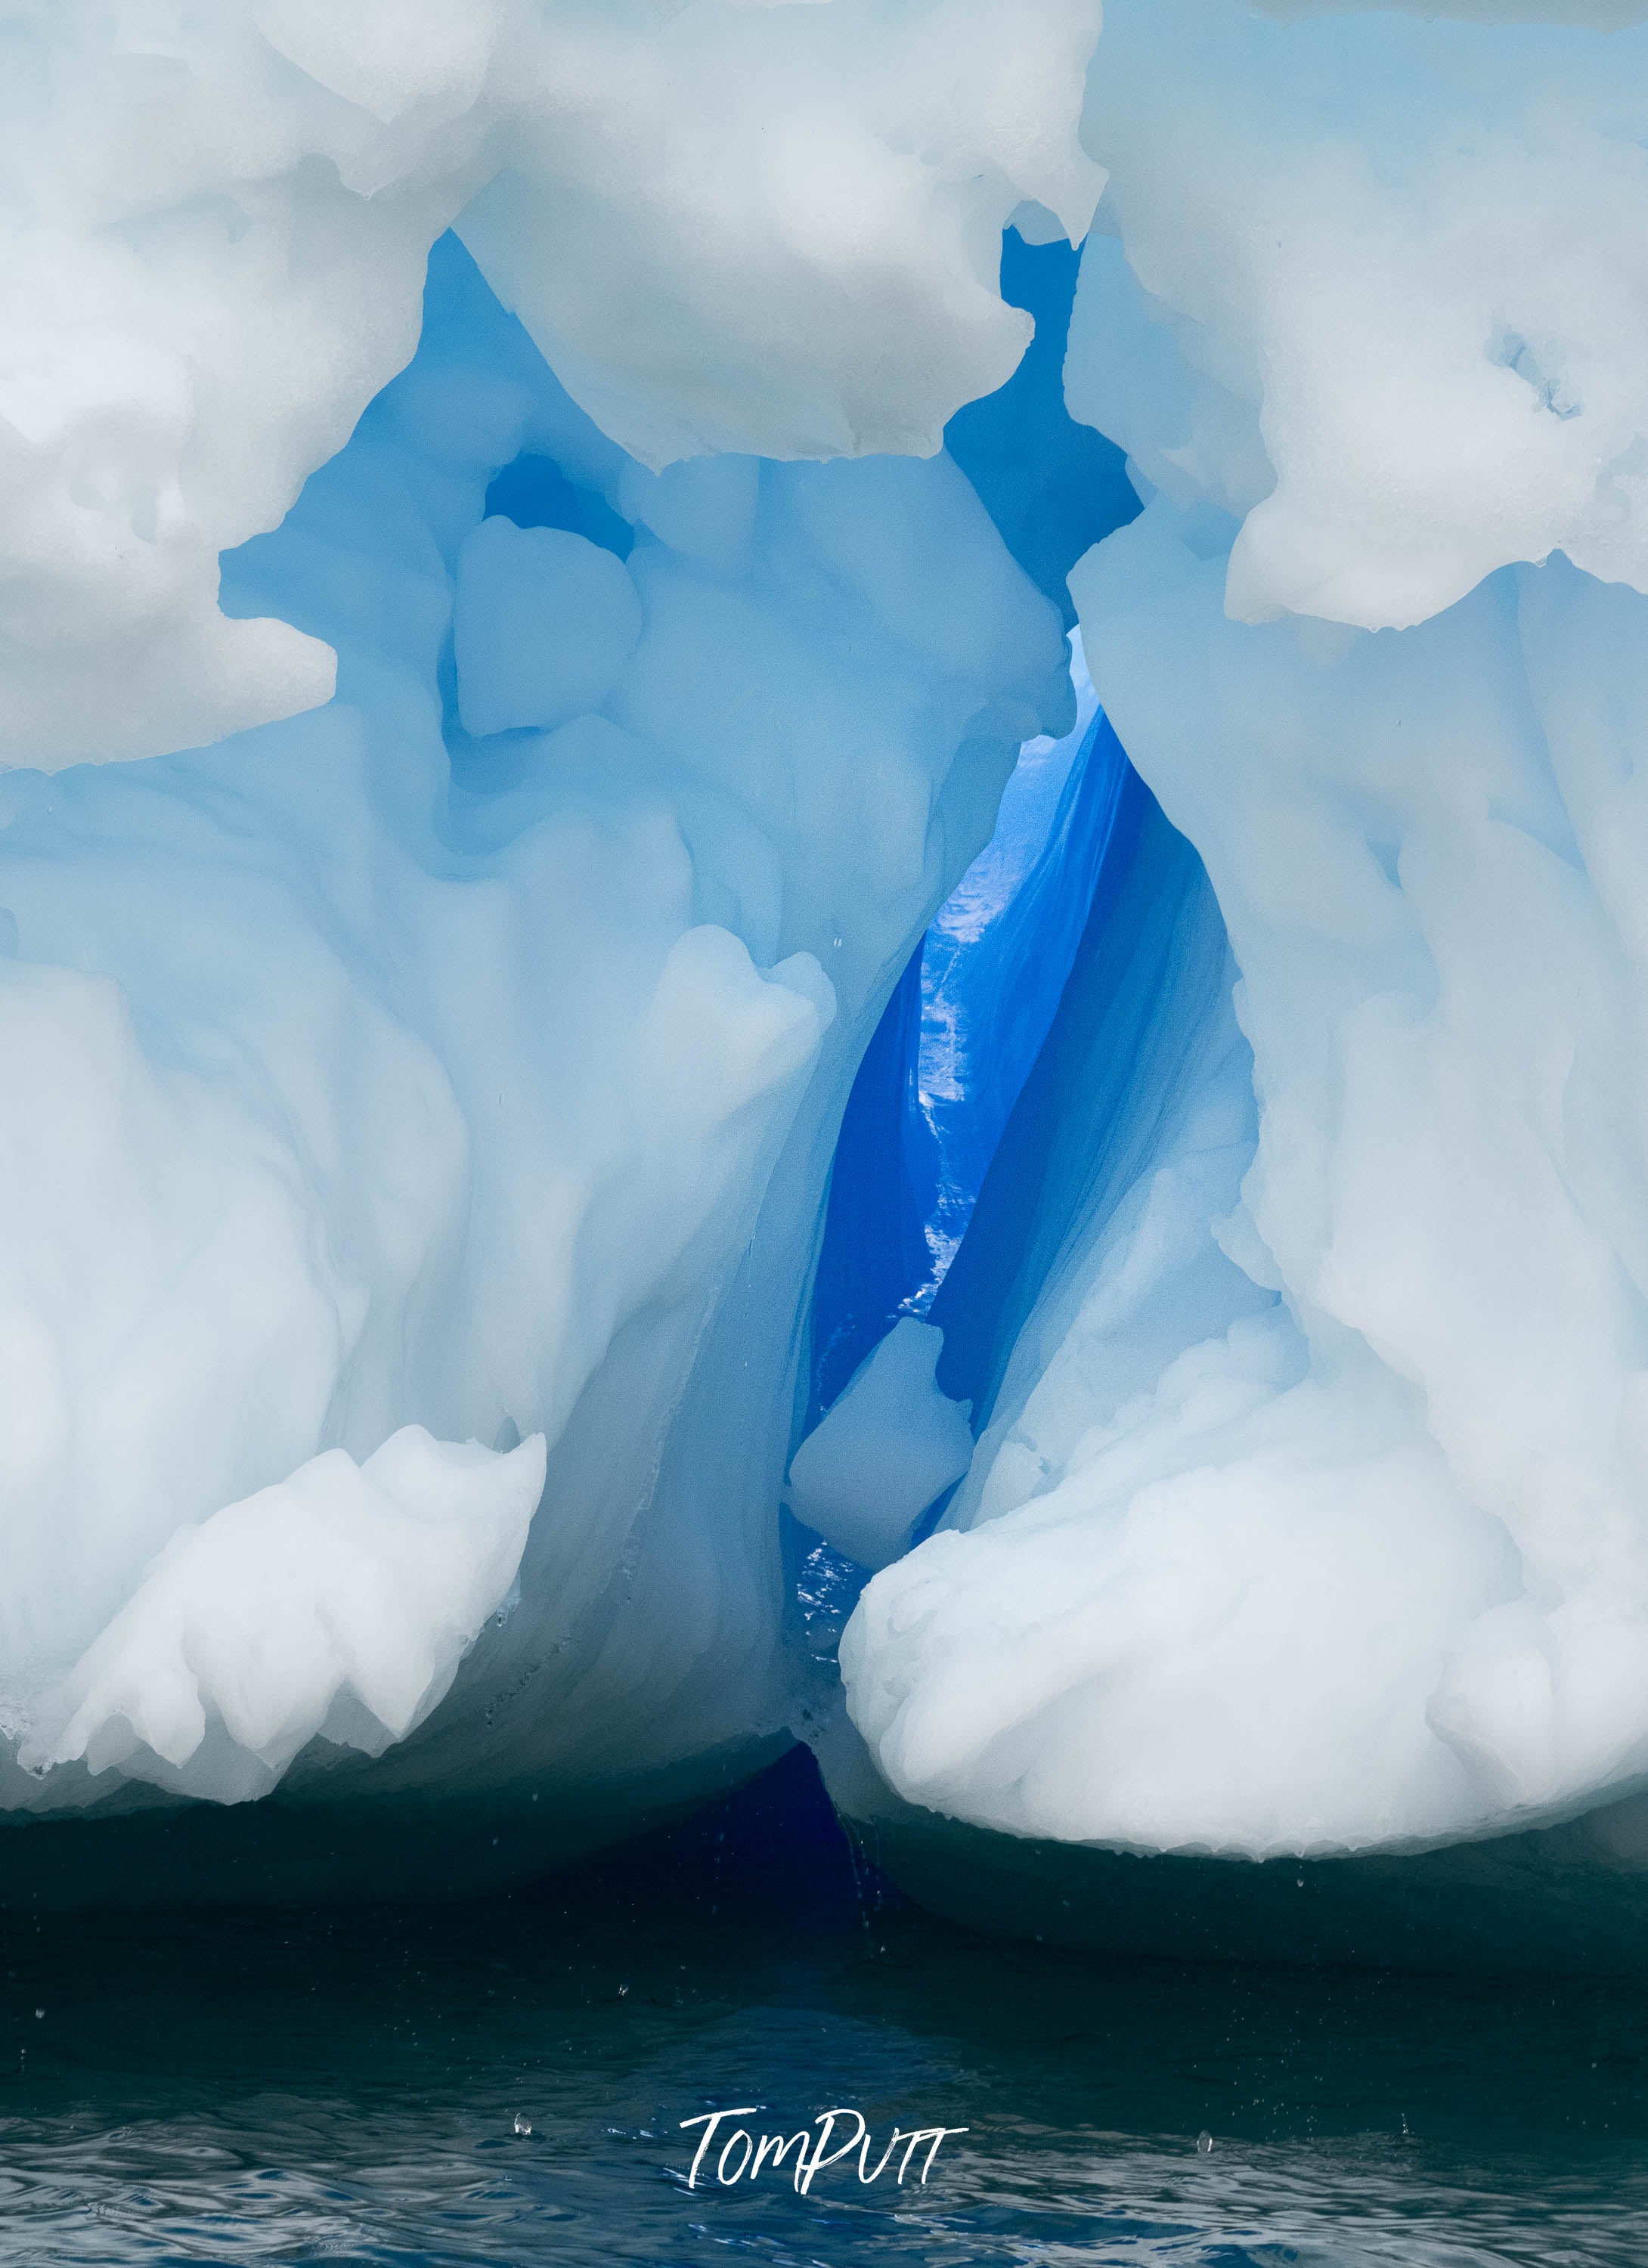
1082	1002
1150	968
994	965
987	982
875	1253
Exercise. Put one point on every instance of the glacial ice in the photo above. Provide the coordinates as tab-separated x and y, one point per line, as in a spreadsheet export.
477	465
543	621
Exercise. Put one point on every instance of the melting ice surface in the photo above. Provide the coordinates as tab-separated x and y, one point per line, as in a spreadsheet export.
487	1108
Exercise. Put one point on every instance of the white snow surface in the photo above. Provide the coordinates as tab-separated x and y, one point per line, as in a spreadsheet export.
767	228
1370	1567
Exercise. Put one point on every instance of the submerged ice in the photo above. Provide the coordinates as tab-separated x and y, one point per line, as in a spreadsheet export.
489	1114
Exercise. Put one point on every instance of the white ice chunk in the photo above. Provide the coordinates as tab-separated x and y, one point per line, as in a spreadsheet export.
1370	1568
1388	293
543	621
805	205
888	1446
338	1603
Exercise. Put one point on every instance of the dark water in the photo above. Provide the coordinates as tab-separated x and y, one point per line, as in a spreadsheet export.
345	2087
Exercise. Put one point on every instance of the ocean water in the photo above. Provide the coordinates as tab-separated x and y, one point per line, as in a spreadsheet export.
347	2085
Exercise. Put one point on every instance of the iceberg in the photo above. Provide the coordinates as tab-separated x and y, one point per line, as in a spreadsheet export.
821	778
